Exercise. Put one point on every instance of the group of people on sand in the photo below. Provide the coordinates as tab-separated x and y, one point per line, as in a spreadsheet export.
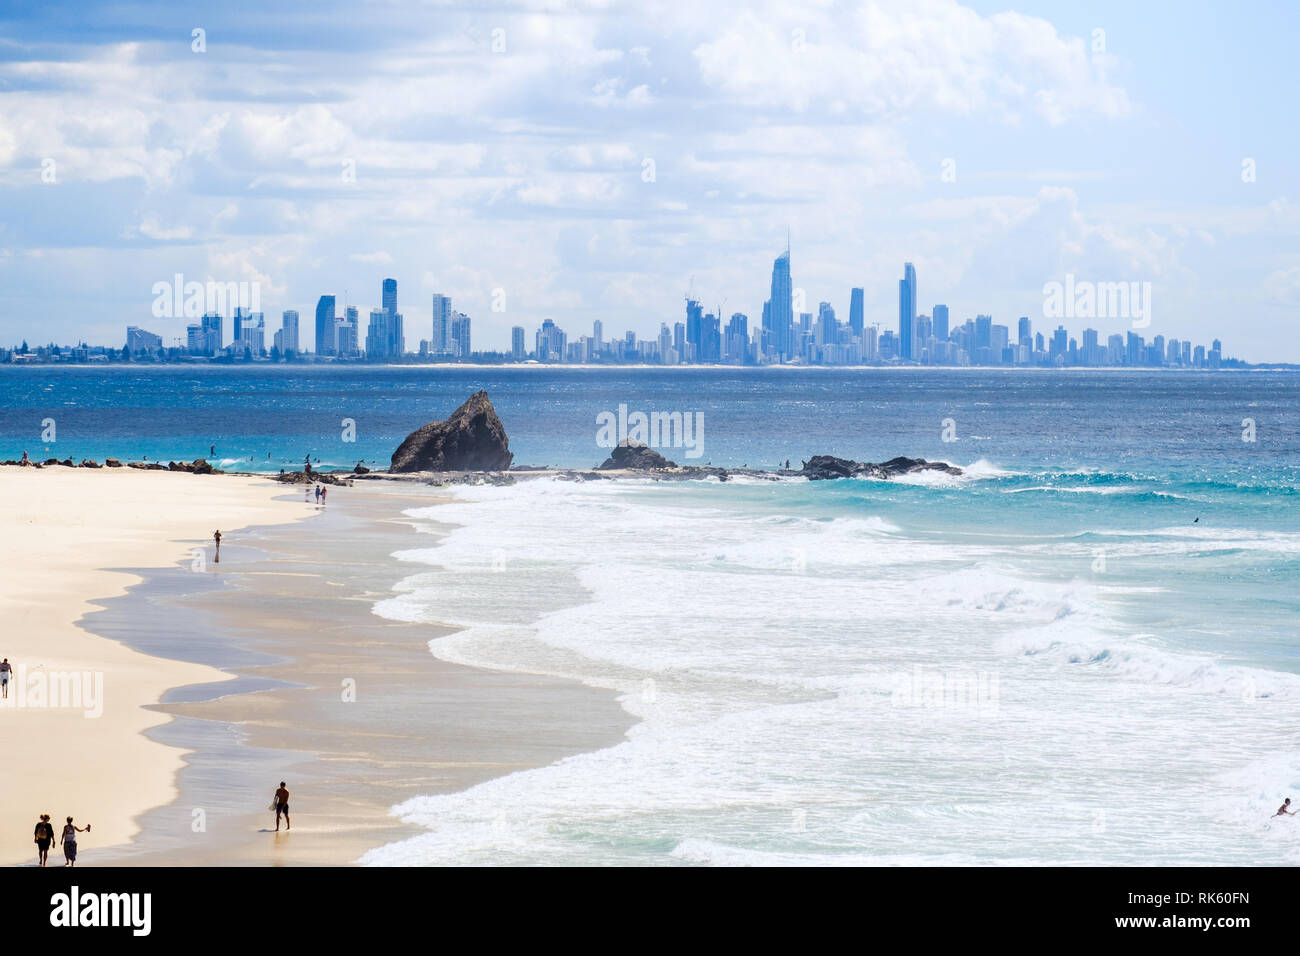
43	836
68	840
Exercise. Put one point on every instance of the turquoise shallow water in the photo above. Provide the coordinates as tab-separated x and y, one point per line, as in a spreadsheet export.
1030	663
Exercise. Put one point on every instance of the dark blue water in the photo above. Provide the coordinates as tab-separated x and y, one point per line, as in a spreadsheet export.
1185	424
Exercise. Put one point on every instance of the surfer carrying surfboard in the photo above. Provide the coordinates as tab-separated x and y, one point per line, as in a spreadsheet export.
281	805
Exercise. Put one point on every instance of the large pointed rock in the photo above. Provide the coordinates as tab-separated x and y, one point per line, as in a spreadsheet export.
471	439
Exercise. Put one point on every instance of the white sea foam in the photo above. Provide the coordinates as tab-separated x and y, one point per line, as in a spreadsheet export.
761	643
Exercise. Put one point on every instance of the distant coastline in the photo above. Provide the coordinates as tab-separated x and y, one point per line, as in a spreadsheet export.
587	366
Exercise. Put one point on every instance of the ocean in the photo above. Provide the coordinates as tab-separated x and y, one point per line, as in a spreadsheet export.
1083	650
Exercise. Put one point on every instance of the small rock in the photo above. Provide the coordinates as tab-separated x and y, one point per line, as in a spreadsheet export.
635	456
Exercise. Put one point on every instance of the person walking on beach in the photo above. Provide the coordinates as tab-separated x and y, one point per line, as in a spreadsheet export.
323	492
5	671
216	537
282	806
69	842
44	837
1283	811
317	490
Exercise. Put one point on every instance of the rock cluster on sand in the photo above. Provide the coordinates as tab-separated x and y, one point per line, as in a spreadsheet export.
199	466
822	467
314	478
635	456
471	439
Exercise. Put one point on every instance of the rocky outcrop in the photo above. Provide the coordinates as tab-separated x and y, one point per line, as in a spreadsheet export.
199	466
471	439
635	456
824	467
314	478
112	463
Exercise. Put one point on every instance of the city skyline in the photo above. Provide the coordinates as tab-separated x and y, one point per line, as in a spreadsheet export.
1001	150
786	335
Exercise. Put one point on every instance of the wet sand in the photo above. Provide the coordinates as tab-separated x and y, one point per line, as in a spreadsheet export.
350	709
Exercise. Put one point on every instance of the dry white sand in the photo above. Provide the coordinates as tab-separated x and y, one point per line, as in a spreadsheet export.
59	529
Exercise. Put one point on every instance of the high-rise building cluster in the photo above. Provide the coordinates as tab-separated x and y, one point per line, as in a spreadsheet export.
789	335
786	334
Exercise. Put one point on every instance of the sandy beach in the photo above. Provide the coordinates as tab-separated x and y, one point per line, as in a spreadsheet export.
267	666
72	536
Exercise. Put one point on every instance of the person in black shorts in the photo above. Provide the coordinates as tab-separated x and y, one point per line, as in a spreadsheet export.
44	837
282	806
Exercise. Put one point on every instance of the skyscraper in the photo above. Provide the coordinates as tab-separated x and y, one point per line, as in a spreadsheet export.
211	326
1092	352
827	330
737	339
251	334
325	325
710	347
907	311
981	350
286	340
517	351
855	312
1060	346
460	346
1026	332
551	342
778	314
396	337
441	341
694	318
377	337
940	323
390	296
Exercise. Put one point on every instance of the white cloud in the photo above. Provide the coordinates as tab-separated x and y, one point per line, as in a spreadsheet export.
895	58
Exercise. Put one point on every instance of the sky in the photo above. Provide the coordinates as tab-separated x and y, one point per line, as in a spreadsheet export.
600	160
